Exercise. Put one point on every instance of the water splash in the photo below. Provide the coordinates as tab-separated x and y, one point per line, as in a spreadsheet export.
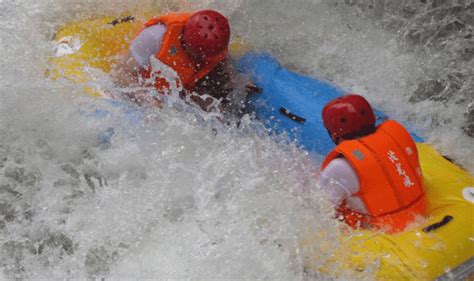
171	195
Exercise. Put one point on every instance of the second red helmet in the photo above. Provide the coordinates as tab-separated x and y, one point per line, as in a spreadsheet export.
206	33
348	117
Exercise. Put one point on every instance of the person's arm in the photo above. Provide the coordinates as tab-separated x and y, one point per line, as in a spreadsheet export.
339	181
145	45
126	72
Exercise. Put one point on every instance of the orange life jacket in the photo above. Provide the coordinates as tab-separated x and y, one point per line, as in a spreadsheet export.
173	54
390	178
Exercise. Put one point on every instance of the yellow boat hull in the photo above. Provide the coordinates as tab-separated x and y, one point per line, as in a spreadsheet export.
424	251
93	45
97	44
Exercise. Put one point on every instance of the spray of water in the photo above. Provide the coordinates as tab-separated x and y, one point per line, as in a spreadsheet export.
174	193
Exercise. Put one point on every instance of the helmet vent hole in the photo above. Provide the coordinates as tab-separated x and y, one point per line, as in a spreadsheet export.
206	18
211	27
362	112
343	120
205	36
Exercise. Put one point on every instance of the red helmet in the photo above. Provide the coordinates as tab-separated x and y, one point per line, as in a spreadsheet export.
206	33
348	117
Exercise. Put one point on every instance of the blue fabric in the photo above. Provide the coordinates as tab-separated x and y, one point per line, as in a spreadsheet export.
301	95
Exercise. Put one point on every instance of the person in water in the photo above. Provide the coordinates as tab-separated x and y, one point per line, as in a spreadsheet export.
373	174
194	46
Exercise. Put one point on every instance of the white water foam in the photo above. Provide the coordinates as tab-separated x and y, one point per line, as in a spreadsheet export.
172	196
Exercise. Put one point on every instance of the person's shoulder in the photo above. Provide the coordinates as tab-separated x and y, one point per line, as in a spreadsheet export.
156	30
338	163
336	168
391	123
395	128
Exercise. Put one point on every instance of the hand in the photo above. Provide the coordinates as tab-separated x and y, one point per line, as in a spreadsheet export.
125	72
144	98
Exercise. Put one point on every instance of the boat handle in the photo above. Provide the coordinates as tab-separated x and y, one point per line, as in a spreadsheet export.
292	116
439	224
252	89
121	20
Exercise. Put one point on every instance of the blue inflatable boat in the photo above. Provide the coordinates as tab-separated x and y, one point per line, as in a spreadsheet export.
291	103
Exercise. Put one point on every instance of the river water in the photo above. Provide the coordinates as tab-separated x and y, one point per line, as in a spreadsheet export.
175	197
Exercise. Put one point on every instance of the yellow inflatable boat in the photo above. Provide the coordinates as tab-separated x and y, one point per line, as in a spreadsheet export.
429	249
442	241
91	45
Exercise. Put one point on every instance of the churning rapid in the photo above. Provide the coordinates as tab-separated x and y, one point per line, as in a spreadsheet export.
178	194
